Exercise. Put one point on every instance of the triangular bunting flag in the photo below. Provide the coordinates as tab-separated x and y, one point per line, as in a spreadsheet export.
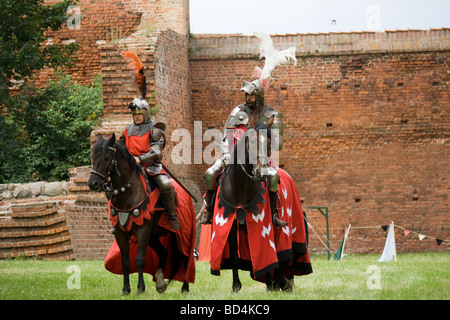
438	241
384	227
389	251
406	232
421	236
338	254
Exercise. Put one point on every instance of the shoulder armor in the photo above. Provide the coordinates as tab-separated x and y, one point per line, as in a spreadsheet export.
160	125
231	121
269	112
158	137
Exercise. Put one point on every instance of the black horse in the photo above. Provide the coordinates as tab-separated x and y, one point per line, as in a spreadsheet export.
115	169
240	186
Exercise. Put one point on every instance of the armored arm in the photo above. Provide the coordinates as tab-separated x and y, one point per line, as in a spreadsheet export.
157	144
274	120
227	135
278	130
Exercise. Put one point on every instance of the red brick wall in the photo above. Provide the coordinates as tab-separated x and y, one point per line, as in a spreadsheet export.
100	21
367	133
36	227
110	21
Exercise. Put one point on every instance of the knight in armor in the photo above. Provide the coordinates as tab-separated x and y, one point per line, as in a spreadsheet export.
245	115
145	141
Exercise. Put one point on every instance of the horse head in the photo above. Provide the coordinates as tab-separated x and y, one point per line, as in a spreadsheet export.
252	151
241	183
103	156
112	163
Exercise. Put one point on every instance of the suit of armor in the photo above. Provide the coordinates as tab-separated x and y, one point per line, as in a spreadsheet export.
146	142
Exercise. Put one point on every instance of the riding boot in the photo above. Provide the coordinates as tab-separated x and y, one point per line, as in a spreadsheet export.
277	222
168	197
207	215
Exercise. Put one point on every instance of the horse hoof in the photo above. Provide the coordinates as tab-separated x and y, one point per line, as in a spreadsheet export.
288	285
161	288
140	290
126	291
185	288
273	287
237	287
161	285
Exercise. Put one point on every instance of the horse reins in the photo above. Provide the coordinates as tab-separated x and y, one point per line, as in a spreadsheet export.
106	182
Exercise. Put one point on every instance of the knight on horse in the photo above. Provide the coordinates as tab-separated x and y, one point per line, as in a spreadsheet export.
242	117
135	179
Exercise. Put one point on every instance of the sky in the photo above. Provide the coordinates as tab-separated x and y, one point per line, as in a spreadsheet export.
299	16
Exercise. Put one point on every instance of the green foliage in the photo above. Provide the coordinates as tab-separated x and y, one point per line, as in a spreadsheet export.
51	128
11	152
22	33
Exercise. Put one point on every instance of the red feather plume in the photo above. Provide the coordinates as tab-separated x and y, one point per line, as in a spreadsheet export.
136	64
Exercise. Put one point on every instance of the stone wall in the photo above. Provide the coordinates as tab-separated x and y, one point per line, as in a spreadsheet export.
39	189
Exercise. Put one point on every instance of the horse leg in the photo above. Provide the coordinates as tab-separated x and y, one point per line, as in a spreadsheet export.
278	276
143	234
122	241
162	253
279	281
288	284
185	287
269	282
236	282
234	255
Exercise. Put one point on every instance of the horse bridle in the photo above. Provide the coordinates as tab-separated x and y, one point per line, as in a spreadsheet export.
106	182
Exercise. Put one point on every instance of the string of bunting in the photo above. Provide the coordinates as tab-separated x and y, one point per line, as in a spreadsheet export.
384	227
406	232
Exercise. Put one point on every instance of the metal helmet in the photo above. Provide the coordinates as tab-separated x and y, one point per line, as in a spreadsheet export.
140	106
254	87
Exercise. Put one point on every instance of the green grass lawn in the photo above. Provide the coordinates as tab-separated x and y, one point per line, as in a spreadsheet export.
424	276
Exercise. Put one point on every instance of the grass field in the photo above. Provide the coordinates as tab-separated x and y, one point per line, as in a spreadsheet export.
415	276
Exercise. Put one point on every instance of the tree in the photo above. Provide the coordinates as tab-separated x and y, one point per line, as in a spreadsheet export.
50	133
23	50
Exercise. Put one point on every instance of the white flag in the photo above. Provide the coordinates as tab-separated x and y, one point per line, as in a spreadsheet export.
389	251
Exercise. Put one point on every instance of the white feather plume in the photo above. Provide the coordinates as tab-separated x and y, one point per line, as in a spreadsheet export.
273	57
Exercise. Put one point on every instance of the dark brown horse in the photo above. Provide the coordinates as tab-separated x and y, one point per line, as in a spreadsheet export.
240	187
115	170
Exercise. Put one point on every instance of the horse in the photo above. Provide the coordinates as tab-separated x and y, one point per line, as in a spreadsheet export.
115	171
241	192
